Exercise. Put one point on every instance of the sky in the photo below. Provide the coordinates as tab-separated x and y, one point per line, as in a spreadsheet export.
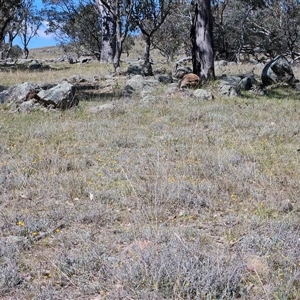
42	40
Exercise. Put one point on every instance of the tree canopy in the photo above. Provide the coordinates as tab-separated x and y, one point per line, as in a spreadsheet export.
241	28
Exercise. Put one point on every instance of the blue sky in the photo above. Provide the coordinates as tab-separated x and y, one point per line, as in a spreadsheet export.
42	40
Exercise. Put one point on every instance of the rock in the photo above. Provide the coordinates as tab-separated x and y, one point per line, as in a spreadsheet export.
18	93
85	59
220	63
190	81
277	70
135	70
229	90
103	107
253	61
245	84
160	70
229	86
203	94
31	64
24	61
184	60
28	106
35	66
61	96
128	91
138	82
287	206
180	71
166	79
76	79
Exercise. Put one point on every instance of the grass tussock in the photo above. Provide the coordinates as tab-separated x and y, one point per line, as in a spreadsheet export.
172	199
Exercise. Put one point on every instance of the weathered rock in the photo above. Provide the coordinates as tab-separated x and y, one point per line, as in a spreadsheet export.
31	64
76	79
18	93
138	82
102	107
24	61
253	61
245	84
203	94
128	91
85	59
220	63
35	66
277	70
160	70
61	96
228	86
190	81
135	70
180	71
28	106
166	79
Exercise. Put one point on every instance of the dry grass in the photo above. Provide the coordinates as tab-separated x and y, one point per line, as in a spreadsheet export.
173	199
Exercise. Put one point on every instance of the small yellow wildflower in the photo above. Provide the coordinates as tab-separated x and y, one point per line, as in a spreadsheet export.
21	223
34	233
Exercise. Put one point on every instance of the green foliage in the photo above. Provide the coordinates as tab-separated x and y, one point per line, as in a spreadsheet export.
75	24
255	27
16	52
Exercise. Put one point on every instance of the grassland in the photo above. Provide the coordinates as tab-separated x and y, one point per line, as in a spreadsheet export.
171	199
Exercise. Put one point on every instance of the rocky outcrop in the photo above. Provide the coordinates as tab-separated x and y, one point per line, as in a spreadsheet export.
229	86
18	93
182	67
27	96
277	70
60	96
203	94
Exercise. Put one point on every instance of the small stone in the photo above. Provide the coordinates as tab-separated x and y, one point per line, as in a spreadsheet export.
287	206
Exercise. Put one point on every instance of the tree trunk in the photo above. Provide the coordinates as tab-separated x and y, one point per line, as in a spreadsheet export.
108	34
147	64
118	45
202	41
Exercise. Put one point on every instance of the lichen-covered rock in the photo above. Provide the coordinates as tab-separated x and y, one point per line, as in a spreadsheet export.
18	93
203	94
61	96
277	70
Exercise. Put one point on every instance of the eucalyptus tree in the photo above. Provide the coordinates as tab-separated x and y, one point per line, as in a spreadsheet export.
148	17
202	40
255	27
8	10
76	26
116	16
173	36
277	27
30	22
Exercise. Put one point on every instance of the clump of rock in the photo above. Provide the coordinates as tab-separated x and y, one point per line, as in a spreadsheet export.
278	70
28	96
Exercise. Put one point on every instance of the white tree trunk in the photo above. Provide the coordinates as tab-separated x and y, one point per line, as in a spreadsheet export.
202	40
108	34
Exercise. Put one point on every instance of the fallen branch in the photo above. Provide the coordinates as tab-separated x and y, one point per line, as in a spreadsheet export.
44	235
